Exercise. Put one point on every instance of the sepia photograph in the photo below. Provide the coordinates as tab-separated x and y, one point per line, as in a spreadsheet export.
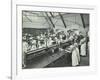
54	39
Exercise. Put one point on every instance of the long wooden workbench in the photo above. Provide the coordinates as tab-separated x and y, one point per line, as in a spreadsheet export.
45	56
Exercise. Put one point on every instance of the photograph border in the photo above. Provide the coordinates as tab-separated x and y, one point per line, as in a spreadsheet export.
14	72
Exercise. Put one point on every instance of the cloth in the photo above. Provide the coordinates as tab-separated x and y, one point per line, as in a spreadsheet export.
25	48
75	57
83	47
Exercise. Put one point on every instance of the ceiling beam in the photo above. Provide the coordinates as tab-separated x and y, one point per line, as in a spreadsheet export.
28	18
51	14
82	20
50	20
62	19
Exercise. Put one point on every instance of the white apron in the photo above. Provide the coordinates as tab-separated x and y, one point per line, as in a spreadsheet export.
33	45
25	48
88	42
75	57
83	49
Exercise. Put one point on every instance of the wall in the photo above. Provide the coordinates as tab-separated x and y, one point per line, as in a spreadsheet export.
5	40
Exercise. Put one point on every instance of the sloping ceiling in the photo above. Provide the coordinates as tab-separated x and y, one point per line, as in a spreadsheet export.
43	19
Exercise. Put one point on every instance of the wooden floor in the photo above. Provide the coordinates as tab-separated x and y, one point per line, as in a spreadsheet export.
65	62
55	60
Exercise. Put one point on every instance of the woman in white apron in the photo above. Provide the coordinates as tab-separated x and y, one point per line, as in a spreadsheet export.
50	43
25	48
75	55
83	47
33	45
74	49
